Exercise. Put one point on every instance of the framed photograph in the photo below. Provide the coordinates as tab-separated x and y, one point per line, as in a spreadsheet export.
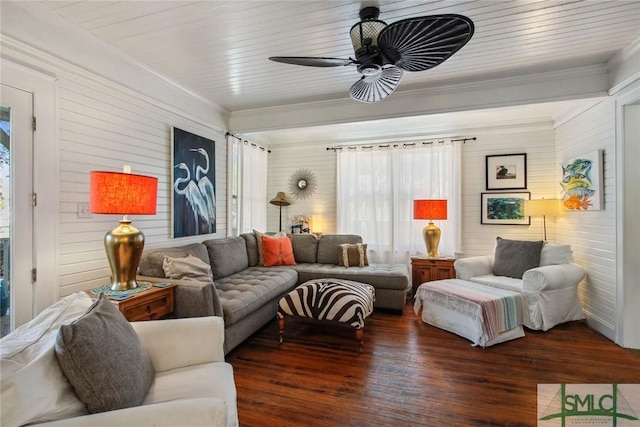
582	183
506	172
193	198
504	208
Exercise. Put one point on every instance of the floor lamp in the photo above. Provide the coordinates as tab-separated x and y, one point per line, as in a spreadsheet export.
542	207
280	200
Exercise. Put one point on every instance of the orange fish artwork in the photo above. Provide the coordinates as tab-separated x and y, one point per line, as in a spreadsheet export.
576	203
581	182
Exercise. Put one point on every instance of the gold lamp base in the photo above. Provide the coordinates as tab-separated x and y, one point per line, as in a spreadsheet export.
431	236
124	245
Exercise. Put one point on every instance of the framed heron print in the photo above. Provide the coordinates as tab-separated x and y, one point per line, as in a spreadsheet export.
193	196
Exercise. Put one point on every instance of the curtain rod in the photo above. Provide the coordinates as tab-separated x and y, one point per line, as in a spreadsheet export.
402	145
253	144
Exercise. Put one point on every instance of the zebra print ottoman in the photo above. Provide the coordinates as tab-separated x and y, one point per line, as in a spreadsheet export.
338	300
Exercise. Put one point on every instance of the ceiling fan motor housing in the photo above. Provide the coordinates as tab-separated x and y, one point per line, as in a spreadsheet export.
369	69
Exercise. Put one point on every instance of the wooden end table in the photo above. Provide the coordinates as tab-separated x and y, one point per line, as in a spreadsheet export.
429	269
152	304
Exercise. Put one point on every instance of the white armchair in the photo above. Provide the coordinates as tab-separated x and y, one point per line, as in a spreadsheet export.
550	289
193	384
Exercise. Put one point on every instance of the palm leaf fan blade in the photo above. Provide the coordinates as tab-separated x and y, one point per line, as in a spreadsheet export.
309	61
412	41
375	88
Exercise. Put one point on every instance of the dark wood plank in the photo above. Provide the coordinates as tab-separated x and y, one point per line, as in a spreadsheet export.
412	374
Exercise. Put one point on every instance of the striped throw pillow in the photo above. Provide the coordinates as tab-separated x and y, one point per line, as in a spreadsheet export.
353	255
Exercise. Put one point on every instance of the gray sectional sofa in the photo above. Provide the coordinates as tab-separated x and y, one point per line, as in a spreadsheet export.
246	294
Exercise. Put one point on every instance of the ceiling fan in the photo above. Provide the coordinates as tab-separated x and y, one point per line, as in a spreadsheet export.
384	51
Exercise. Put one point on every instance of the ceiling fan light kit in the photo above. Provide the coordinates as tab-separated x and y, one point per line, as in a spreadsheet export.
384	51
364	34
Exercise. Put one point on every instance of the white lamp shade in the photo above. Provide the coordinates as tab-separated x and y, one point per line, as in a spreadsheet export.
542	207
316	223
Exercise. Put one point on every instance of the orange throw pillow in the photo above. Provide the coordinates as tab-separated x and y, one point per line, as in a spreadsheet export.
277	251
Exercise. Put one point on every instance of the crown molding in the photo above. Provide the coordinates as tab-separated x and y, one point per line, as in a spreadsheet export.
624	67
41	37
624	54
54	67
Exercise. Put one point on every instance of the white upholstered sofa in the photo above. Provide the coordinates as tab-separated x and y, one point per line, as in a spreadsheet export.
192	384
550	288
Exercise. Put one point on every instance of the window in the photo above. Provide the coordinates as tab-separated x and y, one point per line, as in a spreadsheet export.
376	189
247	186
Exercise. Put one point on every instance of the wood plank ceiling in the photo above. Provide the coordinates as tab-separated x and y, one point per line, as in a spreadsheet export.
219	49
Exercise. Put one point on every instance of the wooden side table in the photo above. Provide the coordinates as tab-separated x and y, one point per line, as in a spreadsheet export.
152	304
429	269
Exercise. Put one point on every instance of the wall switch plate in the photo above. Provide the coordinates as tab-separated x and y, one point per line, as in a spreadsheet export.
83	210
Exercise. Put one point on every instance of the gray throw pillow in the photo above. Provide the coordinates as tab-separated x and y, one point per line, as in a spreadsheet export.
103	359
151	261
188	268
513	257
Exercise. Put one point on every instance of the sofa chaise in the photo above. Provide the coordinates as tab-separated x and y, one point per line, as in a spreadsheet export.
246	294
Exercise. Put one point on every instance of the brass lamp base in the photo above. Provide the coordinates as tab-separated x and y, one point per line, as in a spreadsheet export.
124	245
431	236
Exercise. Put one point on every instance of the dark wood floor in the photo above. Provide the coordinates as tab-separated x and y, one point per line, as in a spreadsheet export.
412	374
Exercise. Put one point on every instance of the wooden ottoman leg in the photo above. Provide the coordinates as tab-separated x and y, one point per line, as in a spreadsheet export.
281	327
360	337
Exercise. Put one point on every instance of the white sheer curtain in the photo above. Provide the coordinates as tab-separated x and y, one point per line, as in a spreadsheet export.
376	189
247	187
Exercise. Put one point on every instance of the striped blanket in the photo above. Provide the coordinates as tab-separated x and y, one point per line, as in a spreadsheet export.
501	310
330	299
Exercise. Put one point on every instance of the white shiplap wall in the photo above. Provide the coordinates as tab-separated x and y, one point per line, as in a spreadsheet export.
284	161
592	234
102	125
537	140
102	128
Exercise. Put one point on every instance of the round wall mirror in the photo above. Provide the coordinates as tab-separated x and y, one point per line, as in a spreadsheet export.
302	184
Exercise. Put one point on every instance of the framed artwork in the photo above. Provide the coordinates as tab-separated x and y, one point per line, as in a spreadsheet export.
582	183
504	208
506	172
193	198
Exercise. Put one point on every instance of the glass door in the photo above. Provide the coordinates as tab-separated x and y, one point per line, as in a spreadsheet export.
16	208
